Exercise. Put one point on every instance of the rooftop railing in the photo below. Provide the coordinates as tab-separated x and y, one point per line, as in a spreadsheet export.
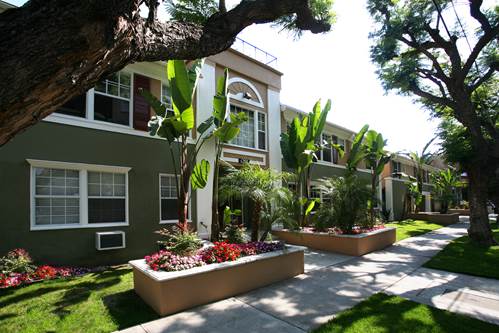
254	52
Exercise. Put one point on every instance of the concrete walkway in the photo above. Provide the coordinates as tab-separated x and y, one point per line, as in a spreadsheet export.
333	283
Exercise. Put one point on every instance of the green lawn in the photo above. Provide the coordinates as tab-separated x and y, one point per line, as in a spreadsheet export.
461	256
411	228
385	314
96	302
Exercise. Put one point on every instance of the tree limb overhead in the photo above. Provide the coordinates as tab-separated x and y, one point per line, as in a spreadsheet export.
51	51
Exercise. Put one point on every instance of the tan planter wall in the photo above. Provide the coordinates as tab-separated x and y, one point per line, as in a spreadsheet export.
354	245
443	219
171	292
465	212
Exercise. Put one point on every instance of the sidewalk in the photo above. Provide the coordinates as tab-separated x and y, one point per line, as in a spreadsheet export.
333	283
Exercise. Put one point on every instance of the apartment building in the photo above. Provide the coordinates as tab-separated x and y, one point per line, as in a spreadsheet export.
89	185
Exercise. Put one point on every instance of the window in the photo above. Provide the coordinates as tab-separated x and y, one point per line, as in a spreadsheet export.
112	99
73	195
253	132
261	131
106	197
168	198
396	167
328	153
166	96
74	107
57	193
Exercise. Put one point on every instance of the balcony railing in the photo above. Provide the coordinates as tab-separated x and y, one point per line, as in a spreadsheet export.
254	52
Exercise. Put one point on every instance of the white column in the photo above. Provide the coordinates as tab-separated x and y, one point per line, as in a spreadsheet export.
204	107
389	196
274	129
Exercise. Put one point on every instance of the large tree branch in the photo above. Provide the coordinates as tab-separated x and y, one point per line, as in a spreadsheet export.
54	50
431	97
486	38
494	67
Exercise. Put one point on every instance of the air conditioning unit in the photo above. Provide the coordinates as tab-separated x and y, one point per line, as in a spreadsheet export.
110	240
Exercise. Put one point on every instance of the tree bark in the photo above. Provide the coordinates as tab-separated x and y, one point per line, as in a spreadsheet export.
479	231
54	50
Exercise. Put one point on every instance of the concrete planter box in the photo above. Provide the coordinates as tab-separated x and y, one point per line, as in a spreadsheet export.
443	219
353	245
465	212
170	292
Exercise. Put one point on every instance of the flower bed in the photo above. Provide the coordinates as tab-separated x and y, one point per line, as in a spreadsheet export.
356	244
226	270
17	269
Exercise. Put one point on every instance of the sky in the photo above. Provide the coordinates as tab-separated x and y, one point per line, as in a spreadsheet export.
337	66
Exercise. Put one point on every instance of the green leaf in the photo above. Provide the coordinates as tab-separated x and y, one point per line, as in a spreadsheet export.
158	107
227	132
205	125
309	208
200	174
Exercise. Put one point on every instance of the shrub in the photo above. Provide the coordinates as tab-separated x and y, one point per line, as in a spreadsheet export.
16	261
221	252
182	243
45	272
168	261
235	233
346	206
253	248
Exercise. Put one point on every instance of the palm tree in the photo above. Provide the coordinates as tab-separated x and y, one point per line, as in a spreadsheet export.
420	160
446	182
261	186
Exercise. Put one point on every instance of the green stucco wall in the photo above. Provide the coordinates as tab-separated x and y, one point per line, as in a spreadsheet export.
147	158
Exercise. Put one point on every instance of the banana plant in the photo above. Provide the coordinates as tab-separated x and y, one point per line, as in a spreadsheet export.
226	127
299	146
176	127
376	158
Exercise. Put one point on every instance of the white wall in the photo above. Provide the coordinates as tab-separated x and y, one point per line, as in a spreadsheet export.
274	129
205	92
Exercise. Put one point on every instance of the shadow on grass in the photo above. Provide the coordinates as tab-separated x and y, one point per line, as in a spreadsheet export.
384	313
128	309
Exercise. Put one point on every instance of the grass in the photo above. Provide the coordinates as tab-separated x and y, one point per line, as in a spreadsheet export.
461	256
383	313
96	302
411	228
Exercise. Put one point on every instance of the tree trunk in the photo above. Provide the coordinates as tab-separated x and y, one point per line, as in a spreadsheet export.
255	221
374	178
479	231
185	176
52	50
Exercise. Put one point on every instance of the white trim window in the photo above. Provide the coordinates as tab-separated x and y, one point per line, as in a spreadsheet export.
328	153
56	196
166	97
112	99
253	132
396	167
168	199
75	195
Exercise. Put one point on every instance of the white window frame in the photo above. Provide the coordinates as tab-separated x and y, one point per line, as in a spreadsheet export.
188	208
320	157
255	129
83	172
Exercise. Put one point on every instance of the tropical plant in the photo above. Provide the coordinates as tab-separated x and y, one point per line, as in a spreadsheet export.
299	145
418	53
175	128
256	184
376	158
346	206
226	127
357	152
446	182
234	231
420	160
413	196
180	242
